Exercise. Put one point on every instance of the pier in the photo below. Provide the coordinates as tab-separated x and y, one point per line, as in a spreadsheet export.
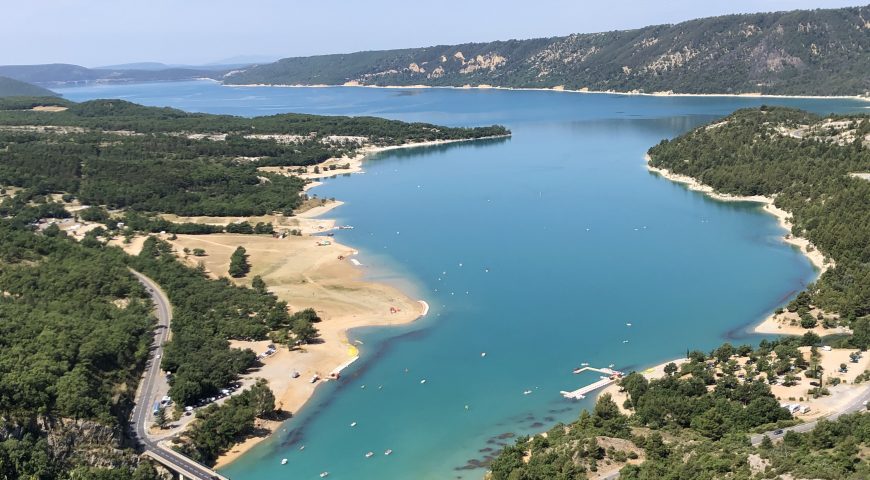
579	394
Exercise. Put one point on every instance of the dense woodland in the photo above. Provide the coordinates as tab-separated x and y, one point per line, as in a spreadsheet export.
755	152
693	424
146	159
820	52
75	325
74	332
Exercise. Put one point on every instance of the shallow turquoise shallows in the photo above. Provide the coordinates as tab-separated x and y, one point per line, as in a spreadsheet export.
537	250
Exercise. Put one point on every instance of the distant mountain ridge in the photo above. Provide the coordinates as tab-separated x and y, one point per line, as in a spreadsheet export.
65	74
10	87
801	52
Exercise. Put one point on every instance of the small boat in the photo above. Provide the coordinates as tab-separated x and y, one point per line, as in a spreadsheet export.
369	454
625	341
315	378
284	461
627	324
352	424
423	381
324	474
527	392
584	364
302	447
389	451
483	354
294	375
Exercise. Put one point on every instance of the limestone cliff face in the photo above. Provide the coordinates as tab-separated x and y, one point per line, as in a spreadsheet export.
76	442
822	52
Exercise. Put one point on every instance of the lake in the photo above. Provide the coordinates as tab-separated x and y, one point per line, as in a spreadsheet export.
537	250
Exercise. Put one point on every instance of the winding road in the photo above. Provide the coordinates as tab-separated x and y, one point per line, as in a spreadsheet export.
146	395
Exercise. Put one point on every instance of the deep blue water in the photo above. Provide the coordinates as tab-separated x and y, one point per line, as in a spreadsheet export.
537	249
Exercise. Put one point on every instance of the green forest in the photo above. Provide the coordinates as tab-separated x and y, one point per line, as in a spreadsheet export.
74	332
126	156
801	52
808	174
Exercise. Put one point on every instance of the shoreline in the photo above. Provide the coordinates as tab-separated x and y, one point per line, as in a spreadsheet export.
560	88
340	353
770	324
650	373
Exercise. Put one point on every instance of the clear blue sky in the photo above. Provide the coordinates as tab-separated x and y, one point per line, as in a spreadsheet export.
101	32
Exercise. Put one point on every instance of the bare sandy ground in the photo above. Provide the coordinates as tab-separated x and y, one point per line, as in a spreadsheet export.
788	323
841	395
305	275
48	108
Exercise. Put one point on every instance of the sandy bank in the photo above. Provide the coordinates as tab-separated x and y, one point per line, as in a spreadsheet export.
772	324
304	274
816	257
561	88
307	222
351	165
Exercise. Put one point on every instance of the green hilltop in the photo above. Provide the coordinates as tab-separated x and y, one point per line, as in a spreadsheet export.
15	88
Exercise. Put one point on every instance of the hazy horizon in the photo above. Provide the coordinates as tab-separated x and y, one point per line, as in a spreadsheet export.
197	32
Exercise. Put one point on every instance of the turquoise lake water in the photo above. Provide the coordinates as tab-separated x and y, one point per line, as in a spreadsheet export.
537	250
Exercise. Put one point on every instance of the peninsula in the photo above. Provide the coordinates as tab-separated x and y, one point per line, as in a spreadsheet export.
215	216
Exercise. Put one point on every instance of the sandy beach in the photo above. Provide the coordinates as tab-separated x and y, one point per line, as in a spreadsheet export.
354	164
773	323
560	88
306	272
306	275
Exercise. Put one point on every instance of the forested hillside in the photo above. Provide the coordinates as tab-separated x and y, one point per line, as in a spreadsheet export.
123	155
805	162
693	424
74	332
818	52
13	88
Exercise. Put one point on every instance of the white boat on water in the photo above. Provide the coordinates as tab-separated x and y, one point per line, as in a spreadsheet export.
527	392
370	454
324	474
389	451
352	424
284	461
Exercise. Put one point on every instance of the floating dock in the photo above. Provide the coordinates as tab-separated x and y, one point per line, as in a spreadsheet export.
580	393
